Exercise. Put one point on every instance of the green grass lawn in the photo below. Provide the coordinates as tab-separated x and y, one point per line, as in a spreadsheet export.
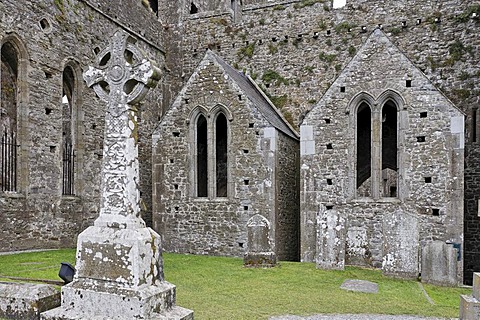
221	288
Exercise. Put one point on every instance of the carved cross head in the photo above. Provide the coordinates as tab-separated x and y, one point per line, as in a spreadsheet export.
123	75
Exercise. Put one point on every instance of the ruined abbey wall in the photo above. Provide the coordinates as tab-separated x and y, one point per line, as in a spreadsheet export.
295	49
51	35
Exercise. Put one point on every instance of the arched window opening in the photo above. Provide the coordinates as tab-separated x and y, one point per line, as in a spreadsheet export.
389	150
8	118
193	8
68	132
153	5
221	156
364	150
202	157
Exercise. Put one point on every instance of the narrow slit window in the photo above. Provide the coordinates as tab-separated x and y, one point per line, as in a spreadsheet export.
202	157
221	156
474	125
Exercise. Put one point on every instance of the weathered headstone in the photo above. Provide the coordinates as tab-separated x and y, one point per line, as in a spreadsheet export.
119	265
259	248
26	301
439	264
470	305
400	245
330	240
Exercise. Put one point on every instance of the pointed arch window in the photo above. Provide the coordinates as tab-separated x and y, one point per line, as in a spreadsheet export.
389	150
221	155
202	157
364	150
376	148
8	118
68	132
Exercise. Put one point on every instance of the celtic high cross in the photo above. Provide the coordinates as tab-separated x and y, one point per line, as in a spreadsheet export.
122	79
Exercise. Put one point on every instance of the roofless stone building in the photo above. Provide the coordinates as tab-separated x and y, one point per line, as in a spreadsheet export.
222	154
381	166
294	50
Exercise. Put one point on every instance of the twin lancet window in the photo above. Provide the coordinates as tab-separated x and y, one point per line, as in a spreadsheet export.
376	148
211	156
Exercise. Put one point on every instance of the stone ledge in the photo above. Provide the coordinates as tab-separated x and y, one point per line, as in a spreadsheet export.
26	301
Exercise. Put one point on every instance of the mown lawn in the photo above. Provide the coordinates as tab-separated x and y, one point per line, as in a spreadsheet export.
221	288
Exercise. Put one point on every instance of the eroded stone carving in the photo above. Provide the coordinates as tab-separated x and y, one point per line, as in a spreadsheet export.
119	259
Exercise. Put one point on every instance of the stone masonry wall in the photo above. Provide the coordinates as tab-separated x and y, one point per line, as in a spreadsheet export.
431	208
213	225
55	33
287	236
308	43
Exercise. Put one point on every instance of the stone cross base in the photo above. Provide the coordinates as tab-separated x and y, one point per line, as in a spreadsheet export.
119	276
259	259
470	305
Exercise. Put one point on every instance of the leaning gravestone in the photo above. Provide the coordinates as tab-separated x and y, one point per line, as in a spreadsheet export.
119	264
259	248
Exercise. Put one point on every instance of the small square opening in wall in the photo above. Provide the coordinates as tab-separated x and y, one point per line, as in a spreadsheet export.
421	139
245	208
419	21
326	120
250	125
176	133
428	179
328	32
246	182
435	212
329	182
175	186
48	75
408	83
329	207
245	151
342	89
423	114
329	146
187	101
240	244
48	111
172	161
52	149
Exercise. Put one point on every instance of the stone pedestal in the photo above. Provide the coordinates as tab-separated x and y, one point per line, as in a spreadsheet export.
119	264
470	305
119	276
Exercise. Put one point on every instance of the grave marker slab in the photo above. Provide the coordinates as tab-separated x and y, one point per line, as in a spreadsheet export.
260	253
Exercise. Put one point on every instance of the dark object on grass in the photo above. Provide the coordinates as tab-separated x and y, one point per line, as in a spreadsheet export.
67	271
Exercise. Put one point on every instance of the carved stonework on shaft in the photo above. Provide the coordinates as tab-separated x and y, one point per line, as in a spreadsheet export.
121	79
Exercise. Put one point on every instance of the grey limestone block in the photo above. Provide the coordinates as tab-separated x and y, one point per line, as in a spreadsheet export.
26	301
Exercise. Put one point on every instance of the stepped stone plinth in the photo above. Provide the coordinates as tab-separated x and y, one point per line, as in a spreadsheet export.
470	305
119	263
